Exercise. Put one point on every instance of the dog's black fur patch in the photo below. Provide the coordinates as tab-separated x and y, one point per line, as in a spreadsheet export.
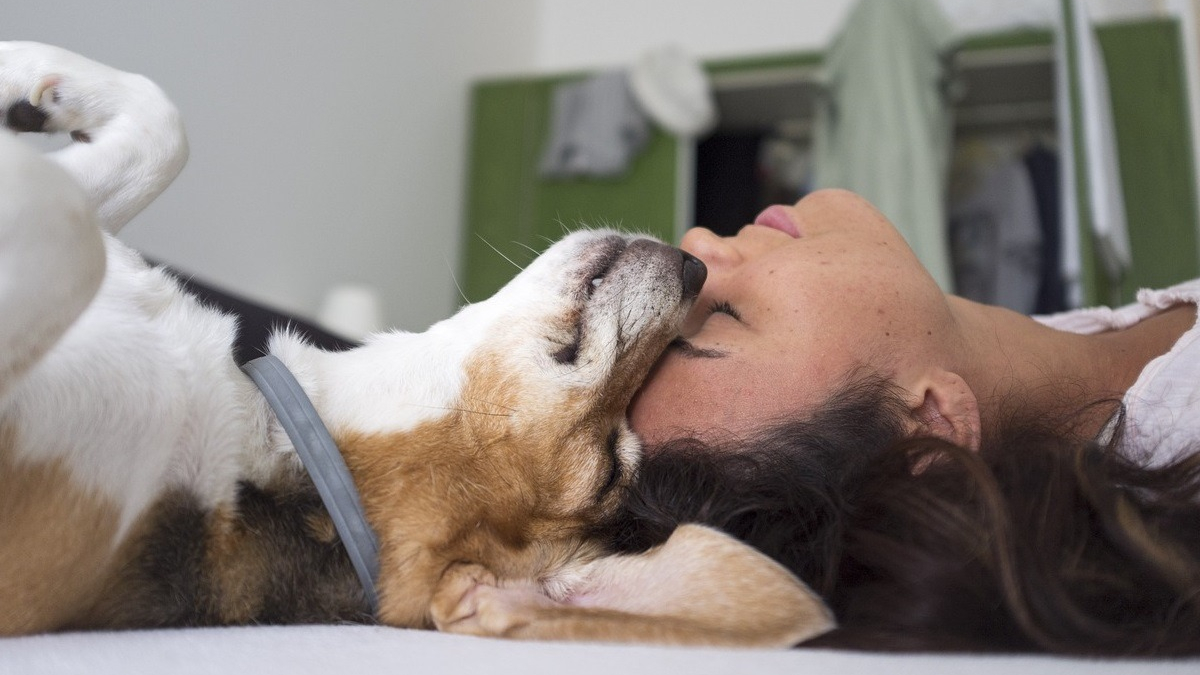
283	570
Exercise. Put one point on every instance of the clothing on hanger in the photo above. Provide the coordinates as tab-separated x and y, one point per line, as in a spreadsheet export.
883	127
596	129
996	235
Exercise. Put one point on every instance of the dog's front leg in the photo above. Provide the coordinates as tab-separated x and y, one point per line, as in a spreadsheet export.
701	587
128	139
51	257
470	602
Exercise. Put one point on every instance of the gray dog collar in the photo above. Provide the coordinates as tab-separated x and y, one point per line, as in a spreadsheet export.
324	463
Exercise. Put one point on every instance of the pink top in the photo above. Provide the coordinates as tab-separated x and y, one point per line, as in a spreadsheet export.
1163	406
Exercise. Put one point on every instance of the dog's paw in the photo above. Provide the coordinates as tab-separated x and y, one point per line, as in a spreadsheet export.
48	89
27	114
453	600
506	612
470	601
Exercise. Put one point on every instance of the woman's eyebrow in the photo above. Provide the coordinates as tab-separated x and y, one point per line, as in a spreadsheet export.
691	351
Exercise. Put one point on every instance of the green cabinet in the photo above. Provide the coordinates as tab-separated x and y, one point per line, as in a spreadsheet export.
1148	85
512	211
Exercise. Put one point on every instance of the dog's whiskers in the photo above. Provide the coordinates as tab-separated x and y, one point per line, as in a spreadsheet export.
532	250
454	278
464	410
510	260
494	404
561	226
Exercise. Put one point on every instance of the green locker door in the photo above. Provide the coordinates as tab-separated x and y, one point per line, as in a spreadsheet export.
1150	114
511	209
499	204
1147	85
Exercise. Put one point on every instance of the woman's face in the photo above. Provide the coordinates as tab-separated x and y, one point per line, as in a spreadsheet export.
792	304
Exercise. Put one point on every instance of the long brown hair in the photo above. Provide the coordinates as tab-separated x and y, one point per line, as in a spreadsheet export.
1041	541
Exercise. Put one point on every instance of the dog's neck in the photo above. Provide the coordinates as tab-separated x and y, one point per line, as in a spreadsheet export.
304	363
324	464
383	386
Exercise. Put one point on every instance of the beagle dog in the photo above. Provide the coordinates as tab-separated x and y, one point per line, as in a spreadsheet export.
145	481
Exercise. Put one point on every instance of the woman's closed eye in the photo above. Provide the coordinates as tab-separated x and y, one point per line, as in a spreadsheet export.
684	347
723	307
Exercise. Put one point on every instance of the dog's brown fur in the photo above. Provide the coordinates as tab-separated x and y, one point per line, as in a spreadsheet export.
56	537
480	485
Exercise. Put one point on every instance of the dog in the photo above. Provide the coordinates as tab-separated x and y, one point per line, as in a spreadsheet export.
145	481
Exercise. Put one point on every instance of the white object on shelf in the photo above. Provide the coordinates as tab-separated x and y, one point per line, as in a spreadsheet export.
674	91
352	311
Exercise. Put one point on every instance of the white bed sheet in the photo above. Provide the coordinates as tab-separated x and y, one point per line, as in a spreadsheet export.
298	650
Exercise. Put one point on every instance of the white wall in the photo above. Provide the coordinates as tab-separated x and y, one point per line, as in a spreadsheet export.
587	33
328	145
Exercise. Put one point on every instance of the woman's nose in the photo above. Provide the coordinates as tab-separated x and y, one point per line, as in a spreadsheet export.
716	252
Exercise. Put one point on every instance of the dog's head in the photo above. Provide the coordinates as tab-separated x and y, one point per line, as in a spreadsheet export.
488	448
567	344
499	435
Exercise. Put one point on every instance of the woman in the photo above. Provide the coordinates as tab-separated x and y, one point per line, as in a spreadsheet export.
950	475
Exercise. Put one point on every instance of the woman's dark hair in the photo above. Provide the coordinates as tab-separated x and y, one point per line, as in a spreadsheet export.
1041	541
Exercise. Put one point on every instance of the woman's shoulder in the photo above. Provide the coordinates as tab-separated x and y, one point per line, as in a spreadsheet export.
1163	406
1091	320
1186	292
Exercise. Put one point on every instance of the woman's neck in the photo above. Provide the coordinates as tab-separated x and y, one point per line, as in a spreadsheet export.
1010	357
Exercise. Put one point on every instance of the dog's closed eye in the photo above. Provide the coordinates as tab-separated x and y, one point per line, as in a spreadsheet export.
614	464
569	353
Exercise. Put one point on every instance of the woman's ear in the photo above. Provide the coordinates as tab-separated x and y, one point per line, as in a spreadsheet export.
945	407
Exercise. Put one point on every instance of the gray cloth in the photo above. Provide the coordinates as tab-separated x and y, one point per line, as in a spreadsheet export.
997	239
597	128
884	128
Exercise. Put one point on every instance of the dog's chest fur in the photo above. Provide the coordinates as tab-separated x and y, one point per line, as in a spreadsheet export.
141	395
148	443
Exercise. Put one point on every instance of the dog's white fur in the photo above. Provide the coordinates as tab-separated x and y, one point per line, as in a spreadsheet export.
145	349
111	374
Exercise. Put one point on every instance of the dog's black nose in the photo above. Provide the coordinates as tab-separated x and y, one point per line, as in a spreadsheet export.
694	274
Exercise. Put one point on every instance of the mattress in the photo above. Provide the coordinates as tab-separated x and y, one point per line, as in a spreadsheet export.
297	650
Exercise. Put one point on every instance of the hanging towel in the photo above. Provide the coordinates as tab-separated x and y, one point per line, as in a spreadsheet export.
884	128
1106	202
597	128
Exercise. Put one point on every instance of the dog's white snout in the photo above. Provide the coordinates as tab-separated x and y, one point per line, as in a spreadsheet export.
665	262
601	257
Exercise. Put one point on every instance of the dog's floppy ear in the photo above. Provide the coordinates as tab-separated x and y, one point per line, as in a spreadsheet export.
700	587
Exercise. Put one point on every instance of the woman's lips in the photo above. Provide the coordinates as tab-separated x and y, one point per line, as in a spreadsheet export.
777	218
